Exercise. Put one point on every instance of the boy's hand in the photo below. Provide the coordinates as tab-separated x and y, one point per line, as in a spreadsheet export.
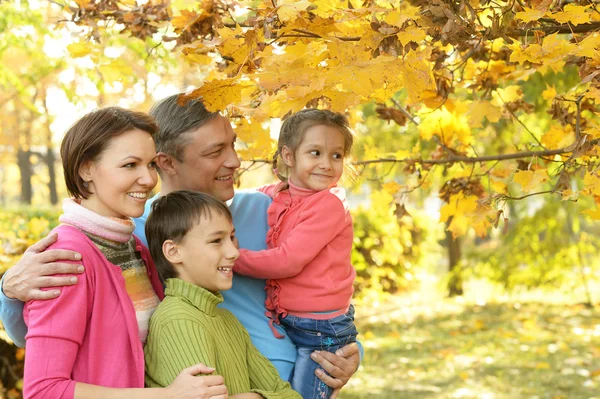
188	385
35	269
340	366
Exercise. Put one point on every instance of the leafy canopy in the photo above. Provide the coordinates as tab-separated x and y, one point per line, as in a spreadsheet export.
466	83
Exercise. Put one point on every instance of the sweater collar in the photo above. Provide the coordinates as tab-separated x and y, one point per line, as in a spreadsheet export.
110	228
298	191
197	296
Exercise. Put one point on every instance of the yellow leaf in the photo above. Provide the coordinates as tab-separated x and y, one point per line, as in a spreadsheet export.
498	186
573	14
506	95
116	70
199	59
391	187
558	137
185	20
569	195
482	109
542	365
289	10
530	179
411	34
80	49
594	214
588	47
529	14
549	93
417	76
218	94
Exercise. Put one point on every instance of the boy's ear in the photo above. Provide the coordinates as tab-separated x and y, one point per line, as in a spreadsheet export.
171	252
165	163
287	155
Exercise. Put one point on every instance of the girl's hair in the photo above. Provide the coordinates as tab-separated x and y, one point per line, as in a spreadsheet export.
295	127
89	137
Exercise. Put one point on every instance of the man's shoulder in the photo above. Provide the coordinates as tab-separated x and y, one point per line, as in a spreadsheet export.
249	197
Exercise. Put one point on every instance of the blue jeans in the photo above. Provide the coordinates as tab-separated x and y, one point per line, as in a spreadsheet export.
309	335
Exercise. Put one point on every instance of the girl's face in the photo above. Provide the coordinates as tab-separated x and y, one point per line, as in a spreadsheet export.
318	162
123	176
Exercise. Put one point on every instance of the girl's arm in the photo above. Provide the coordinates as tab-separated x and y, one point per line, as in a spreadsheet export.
324	218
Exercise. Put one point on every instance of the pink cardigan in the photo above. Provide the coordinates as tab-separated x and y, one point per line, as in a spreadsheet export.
89	333
308	260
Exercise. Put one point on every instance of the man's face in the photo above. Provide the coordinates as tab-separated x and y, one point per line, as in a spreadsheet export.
210	160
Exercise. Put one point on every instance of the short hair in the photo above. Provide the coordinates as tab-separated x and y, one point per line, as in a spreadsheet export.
87	138
172	217
174	120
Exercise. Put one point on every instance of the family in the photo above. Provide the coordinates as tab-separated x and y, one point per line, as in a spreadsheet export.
200	291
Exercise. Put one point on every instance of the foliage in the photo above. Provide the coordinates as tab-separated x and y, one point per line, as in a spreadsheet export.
20	228
430	347
456	73
390	251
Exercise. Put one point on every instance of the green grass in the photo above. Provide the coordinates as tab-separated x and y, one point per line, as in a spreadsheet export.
449	348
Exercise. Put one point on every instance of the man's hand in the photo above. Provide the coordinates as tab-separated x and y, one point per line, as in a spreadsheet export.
35	269
340	366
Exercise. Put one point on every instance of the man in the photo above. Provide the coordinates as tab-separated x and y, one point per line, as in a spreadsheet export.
195	152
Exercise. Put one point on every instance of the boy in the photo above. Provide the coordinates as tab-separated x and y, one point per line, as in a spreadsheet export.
191	238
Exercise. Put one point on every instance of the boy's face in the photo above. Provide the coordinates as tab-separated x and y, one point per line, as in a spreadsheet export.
208	252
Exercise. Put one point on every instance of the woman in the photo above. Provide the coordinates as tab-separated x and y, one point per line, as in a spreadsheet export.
89	340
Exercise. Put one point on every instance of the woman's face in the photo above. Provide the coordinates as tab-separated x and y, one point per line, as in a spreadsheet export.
123	176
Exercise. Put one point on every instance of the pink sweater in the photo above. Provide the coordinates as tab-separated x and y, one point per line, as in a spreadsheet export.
89	333
308	260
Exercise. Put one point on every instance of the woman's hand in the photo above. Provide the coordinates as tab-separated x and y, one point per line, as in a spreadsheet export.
189	386
340	366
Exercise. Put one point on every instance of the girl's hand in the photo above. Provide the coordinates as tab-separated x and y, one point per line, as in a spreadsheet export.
188	386
249	395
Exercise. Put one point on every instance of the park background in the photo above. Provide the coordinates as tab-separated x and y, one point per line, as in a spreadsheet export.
474	183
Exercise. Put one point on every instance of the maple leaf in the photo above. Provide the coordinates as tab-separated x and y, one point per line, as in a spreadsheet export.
594	214
530	179
482	109
116	70
80	49
529	14
288	10
417	76
558	137
411	34
573	14
217	94
549	93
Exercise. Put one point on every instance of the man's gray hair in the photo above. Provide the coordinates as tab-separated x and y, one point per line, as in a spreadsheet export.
175	120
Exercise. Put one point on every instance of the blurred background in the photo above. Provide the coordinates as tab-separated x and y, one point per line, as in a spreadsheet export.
509	315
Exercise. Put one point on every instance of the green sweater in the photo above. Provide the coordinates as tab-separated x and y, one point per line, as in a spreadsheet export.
188	328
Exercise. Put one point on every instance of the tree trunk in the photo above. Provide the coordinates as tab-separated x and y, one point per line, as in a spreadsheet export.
455	284
50	157
50	162
26	170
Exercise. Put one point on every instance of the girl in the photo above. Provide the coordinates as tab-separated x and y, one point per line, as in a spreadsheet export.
91	336
309	240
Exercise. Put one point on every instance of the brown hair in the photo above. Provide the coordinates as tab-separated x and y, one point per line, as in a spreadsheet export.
172	217
295	127
90	136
